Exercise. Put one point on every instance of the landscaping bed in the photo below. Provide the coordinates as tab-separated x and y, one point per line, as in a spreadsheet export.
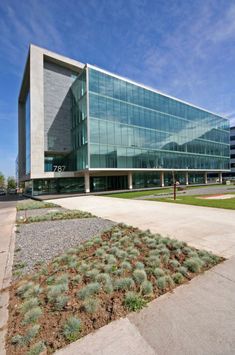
31	205
42	241
52	215
95	283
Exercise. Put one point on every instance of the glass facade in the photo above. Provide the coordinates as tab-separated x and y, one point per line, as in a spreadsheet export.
134	127
79	122
57	186
27	135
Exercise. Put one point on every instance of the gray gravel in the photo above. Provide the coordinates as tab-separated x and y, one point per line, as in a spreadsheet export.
42	241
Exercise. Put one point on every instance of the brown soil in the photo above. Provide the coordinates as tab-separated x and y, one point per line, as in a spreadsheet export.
52	322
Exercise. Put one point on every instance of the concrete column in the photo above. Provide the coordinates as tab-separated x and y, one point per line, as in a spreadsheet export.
220	178
205	177
87	182
130	181
186	178
162	179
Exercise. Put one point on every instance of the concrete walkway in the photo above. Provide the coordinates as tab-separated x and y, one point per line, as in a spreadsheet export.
202	227
198	318
7	221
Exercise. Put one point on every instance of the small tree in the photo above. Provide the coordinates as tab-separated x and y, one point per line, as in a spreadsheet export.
2	180
11	183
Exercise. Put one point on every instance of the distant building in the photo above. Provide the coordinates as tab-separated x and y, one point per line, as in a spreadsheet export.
84	129
232	150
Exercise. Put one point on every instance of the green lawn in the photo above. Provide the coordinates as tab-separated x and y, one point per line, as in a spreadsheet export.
194	200
134	194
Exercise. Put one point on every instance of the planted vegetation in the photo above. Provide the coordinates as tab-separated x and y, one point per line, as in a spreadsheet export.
55	216
99	281
33	205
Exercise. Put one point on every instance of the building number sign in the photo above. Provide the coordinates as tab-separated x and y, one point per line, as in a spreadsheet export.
59	168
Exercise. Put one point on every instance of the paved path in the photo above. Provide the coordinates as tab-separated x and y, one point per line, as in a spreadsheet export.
7	220
198	318
202	227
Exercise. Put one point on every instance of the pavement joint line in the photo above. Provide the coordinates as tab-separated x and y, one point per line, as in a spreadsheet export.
224	277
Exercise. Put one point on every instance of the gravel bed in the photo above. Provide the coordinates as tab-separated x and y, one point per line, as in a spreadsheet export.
39	212
43	241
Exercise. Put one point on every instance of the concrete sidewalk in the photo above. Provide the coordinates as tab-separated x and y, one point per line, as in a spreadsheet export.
198	318
202	227
7	222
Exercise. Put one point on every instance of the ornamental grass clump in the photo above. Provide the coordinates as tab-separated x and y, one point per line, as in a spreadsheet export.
77	279
183	270
121	254
194	264
164	281
72	329
22	289
146	288
100	252
153	261
29	304
55	291
124	284
32	315
140	276
92	274
177	278
125	265
111	259
158	272
139	265
31	333
88	290
60	302
174	264
134	302
37	348
91	305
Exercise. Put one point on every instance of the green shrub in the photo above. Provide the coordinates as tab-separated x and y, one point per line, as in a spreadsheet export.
158	272
126	265
55	291
88	290
92	274
100	252
194	264
164	281
62	279
108	287
183	270
139	265
18	340
121	254
103	278
32	315
146	288
29	304
174	263
133	302
72	329
165	258
91	305
60	302
37	349
177	278
124	283
32	333
22	289
140	276
83	268
50	280
111	259
77	279
153	260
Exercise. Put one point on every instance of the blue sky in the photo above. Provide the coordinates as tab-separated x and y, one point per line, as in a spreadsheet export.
185	48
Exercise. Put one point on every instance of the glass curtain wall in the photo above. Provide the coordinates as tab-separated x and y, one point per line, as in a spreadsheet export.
133	127
27	135
79	122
